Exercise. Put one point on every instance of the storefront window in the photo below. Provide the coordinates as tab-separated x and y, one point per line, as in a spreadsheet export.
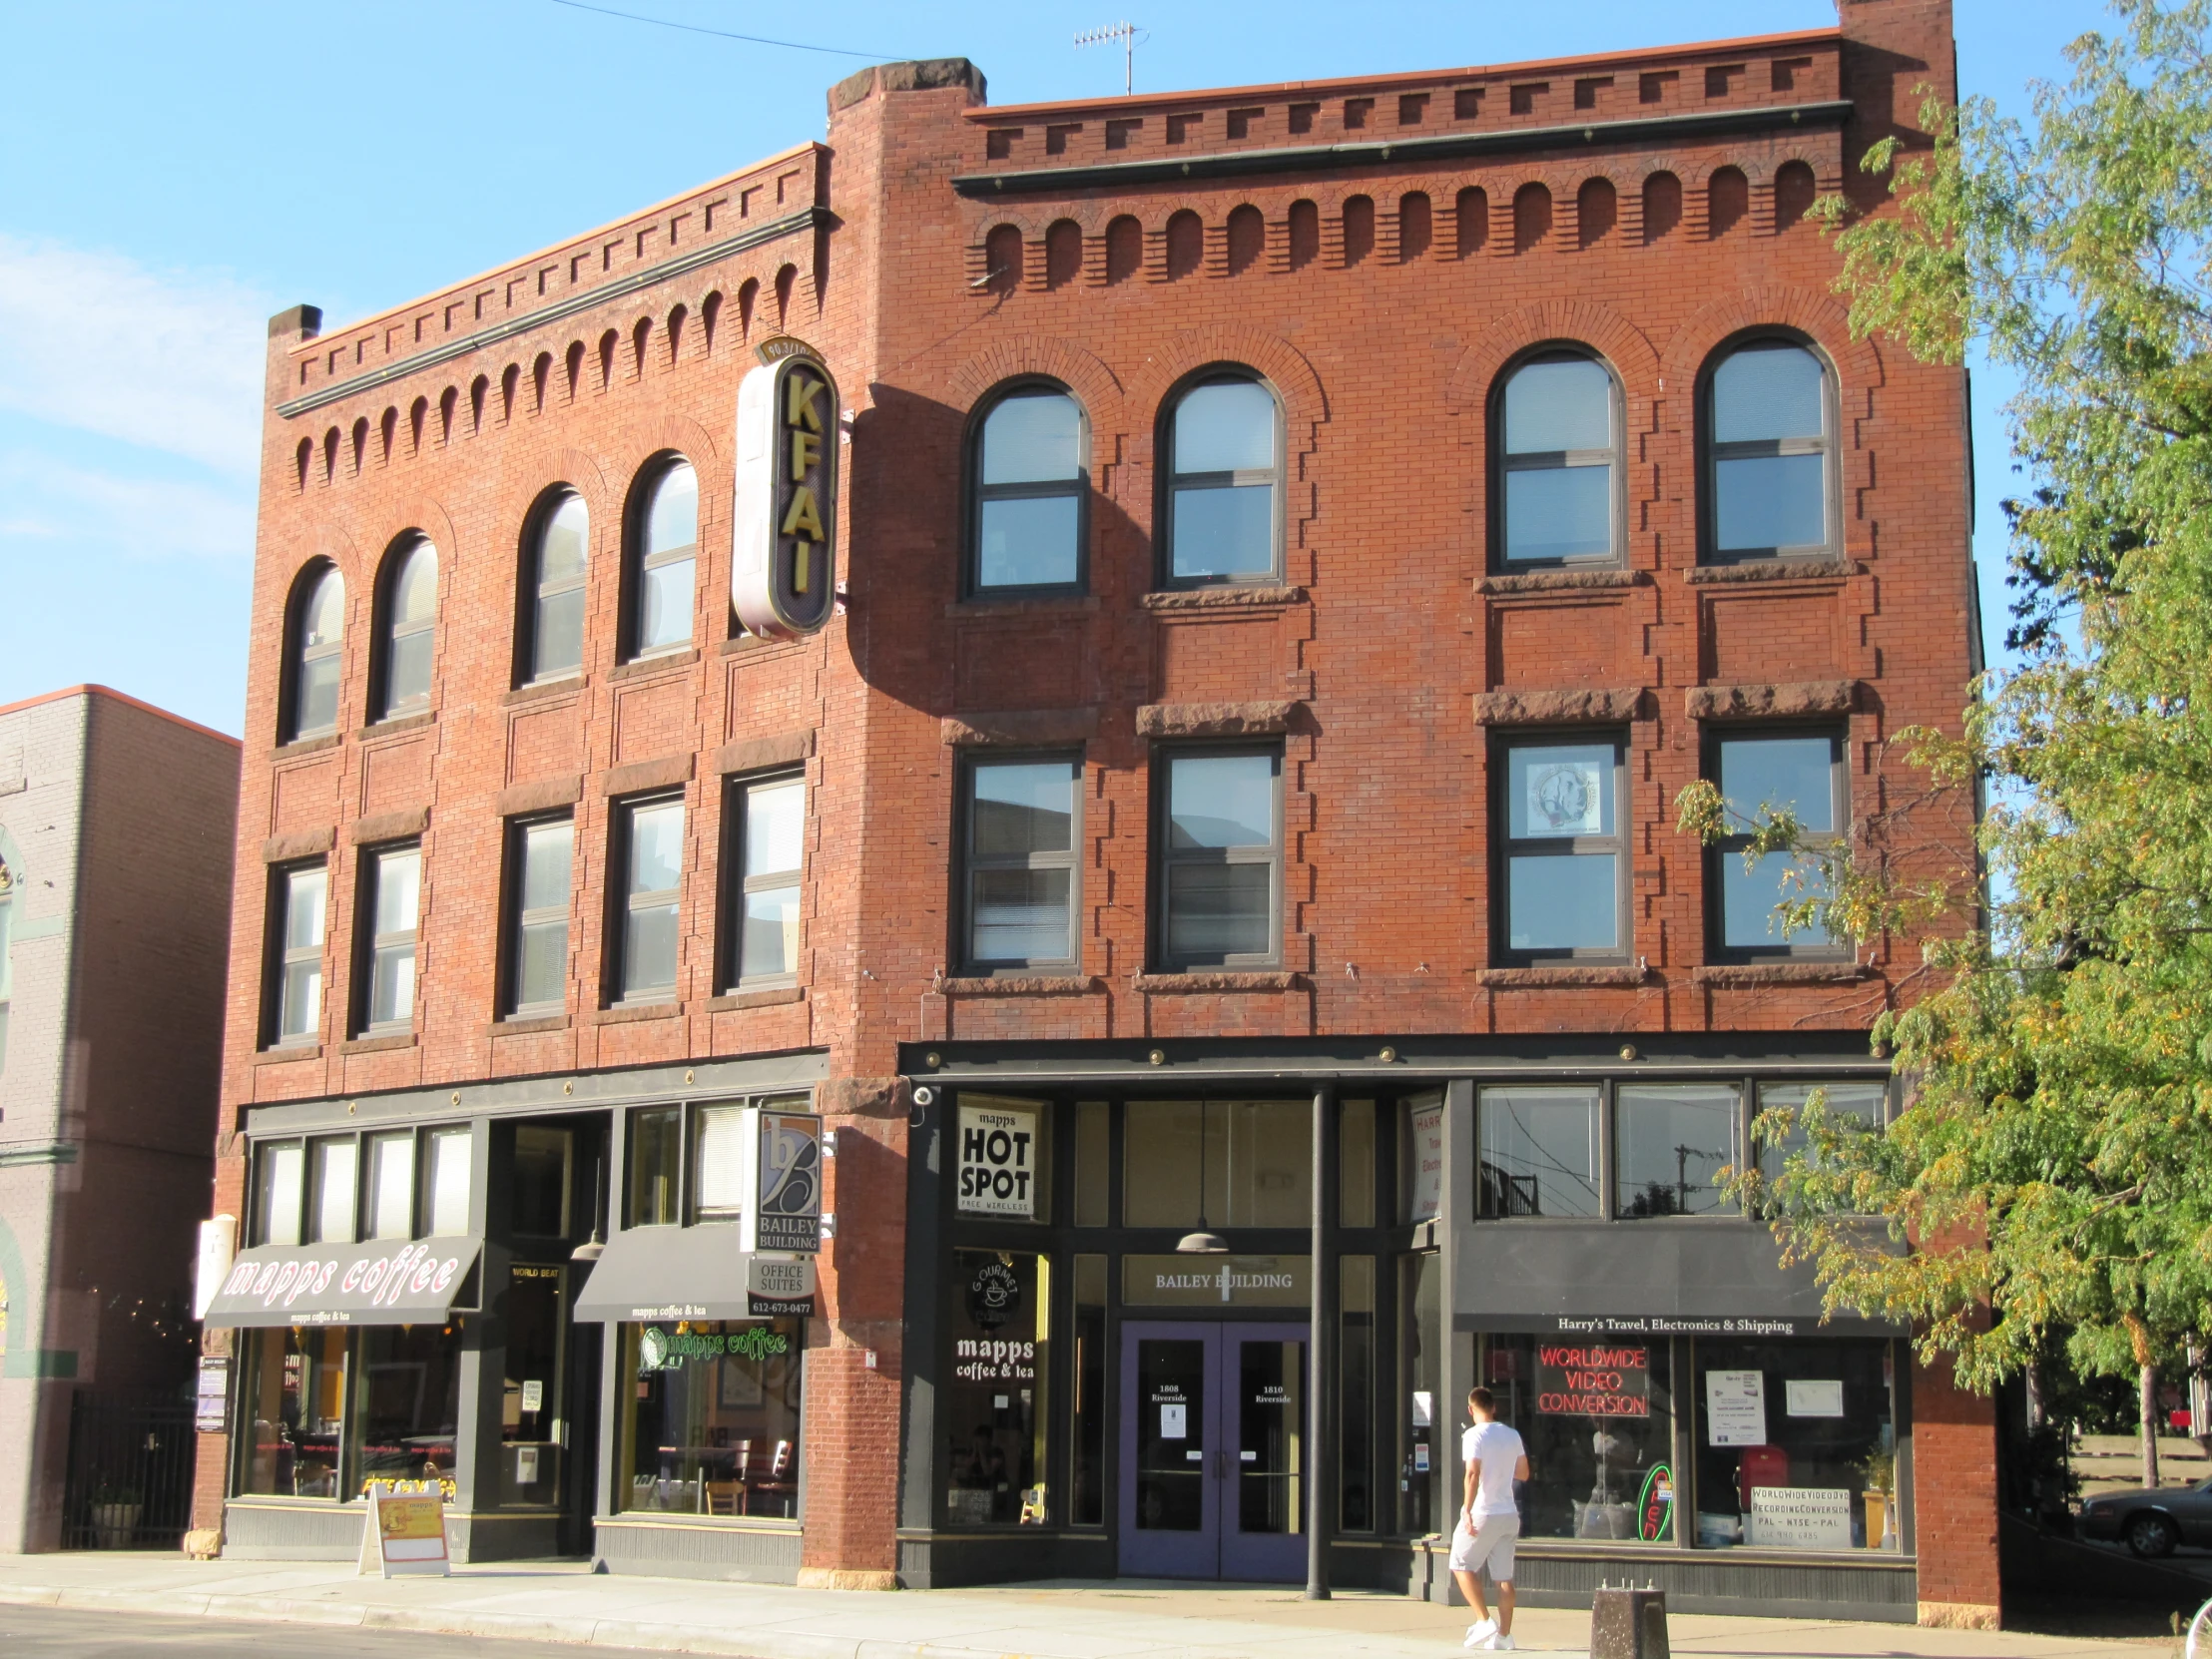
1355	1164
1855	1104
1087	1494
1797	1445
406	1402
718	1160
450	1156
1421	1158
531	1404
1223	1162
1670	1143
392	1186
656	1152
336	1176
1092	1208
994	1402
1355	1395
278	1194
1537	1152
1597	1417
710	1418
294	1393
1420	1375
541	1182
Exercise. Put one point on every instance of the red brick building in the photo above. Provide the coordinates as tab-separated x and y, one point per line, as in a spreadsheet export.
1296	544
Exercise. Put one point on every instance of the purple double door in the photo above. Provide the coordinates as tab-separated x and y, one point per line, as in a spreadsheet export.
1213	1451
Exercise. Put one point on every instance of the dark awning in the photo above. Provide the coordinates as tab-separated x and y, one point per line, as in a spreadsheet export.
692	1273
384	1283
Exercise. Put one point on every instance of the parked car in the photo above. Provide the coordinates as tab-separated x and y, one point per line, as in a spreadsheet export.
2152	1523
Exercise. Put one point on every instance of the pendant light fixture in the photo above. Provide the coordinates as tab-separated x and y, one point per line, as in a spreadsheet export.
1202	1242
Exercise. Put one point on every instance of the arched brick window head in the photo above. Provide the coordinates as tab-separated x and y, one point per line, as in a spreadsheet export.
1248	239
1063	252
1559	462
1727	199
1793	193
1002	260
1225	448
559	552
1531	217
1029	486
1473	214
313	658
1768	448
1662	206
1305	234
1413	226
1359	228
1594	208
1186	243
1124	248
410	631
666	553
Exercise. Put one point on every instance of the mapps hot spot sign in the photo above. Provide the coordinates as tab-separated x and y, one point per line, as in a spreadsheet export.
784	566
998	1159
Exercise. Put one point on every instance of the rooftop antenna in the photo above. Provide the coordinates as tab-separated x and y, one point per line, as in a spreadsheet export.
1127	33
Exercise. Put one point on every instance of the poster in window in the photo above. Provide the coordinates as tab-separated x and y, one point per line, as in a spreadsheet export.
739	1383
1566	798
1813	1397
999	1161
1427	1178
1735	1407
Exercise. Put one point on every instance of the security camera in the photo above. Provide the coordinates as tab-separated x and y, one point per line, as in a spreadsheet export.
924	1095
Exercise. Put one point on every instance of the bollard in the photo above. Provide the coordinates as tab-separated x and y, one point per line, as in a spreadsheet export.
1628	1623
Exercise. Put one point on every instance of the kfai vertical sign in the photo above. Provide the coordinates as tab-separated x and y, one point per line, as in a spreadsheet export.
783	568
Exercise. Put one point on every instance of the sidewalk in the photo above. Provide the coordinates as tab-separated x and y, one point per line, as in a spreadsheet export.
1123	1620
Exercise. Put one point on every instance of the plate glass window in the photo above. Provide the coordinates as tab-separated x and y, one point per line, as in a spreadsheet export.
1537	1152
538	951
668	553
653	858
319	628
410	631
1767	452
1670	1143
301	895
557	611
396	897
392	1186
1224	445
1850	1108
1557	462
655	1164
447	1157
1796	773
718	1162
1563	853
1029	492
278	1194
1221	856
335	1173
1021	863
774	826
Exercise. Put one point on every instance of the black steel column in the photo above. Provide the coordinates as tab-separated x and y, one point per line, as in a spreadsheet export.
1320	1354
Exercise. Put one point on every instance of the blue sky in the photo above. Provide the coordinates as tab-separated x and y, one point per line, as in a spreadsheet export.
169	176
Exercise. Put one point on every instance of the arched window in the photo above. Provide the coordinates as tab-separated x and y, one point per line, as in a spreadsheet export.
664	542
1558	461
1224	442
1766	453
553	588
1029	482
407	639
312	658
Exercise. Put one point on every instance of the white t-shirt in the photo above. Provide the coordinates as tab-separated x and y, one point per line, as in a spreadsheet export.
1497	1451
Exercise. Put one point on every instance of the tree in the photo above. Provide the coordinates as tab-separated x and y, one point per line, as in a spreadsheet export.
2054	1173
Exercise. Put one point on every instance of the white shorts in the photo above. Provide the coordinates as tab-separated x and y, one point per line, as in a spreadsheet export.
1490	1546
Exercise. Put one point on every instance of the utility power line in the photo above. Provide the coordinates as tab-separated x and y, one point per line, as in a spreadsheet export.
724	34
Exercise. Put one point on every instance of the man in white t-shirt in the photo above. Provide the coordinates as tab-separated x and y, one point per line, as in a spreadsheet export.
1490	1519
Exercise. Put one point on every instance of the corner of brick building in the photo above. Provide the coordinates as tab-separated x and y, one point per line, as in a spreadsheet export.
1954	1501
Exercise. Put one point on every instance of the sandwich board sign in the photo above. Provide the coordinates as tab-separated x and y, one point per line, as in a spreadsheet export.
405	1534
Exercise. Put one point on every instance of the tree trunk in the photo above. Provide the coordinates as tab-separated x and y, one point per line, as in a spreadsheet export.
2149	1374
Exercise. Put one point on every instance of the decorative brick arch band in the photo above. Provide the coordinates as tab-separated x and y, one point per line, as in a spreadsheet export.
1305	404
1620	341
1815	316
1095	385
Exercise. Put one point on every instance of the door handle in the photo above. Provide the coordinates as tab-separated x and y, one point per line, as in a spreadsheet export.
1221	1465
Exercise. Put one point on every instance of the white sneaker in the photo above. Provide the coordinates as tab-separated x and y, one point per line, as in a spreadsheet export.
1478	1635
1501	1643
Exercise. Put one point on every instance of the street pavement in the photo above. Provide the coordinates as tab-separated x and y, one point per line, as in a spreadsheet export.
534	1605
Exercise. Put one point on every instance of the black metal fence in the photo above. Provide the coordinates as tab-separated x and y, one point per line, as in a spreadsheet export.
130	1472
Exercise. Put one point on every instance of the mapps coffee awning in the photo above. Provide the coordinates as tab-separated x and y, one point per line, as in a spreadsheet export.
386	1283
692	1273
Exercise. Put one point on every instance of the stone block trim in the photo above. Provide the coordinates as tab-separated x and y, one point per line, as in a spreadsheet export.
1218	719
1556	581
1803	696
759	754
1198	984
1221	598
664	773
1566	976
1772	570
1558	708
1019	729
299	843
541	796
1781	974
1022	984
389	826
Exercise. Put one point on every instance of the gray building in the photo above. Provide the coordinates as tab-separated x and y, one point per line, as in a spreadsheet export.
116	823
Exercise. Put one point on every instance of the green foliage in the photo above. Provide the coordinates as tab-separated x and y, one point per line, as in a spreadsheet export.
2056	1165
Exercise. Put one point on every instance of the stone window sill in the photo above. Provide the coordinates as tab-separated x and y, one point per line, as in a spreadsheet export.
391	728
622	1013
1020	984
1771	570
1222	599
1565	976
1045	604
540	691
769	997
284	1056
1781	974
747	644
378	1044
294	750
526	1028
1556	581
668	662
1597	706
1199	984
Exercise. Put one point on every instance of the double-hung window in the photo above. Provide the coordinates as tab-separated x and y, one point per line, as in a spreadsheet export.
393	879
540	856
1029	490
300	896
1558	469
315	655
1800	773
1020	889
767	817
554	573
651	860
664	557
1218	855
407	646
1563	855
1768	462
1223	442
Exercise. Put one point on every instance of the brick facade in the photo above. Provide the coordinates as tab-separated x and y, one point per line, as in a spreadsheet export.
1649	206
